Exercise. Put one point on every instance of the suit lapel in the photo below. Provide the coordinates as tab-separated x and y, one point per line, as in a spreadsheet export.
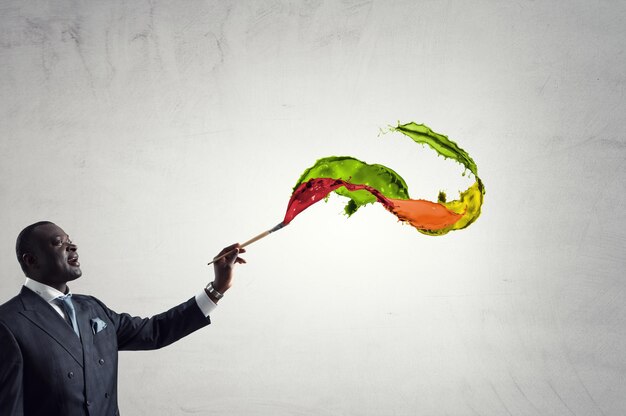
84	315
38	312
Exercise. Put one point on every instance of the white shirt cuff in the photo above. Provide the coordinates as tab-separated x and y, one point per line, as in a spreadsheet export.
205	303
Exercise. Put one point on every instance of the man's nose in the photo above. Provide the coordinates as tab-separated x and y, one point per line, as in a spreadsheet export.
72	247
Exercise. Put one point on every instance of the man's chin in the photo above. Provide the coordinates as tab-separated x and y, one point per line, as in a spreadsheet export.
76	273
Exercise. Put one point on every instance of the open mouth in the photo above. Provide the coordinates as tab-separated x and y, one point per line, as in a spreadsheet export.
73	261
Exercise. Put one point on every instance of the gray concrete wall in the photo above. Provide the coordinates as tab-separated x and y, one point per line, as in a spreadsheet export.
157	132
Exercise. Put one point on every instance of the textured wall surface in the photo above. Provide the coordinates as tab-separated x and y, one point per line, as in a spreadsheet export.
157	132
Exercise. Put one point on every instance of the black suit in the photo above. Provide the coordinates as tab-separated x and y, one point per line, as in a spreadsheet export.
45	369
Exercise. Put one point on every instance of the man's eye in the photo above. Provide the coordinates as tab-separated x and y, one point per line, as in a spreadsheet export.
58	243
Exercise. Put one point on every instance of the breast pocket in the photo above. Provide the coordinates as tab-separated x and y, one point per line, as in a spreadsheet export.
104	336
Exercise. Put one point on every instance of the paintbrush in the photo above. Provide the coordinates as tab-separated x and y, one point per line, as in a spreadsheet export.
250	241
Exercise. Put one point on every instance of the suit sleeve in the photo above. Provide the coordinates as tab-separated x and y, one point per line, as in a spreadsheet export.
11	373
135	333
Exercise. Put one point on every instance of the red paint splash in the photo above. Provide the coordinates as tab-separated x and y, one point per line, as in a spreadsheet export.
421	214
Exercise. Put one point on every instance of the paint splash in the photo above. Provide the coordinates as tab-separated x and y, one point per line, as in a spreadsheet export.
363	184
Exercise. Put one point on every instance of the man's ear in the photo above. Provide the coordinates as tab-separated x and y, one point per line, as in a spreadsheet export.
29	260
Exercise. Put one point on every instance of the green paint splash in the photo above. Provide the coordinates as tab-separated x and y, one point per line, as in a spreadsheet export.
421	133
352	170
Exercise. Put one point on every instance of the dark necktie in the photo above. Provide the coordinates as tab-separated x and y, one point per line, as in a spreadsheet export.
65	302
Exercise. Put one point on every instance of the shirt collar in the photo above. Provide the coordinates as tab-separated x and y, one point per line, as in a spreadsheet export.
46	292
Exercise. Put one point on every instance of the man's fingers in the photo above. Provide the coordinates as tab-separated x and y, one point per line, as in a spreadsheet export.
230	254
230	251
229	248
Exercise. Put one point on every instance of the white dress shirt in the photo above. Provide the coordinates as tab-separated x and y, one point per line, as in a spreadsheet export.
49	294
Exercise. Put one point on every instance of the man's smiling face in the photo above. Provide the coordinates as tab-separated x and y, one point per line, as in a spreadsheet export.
55	257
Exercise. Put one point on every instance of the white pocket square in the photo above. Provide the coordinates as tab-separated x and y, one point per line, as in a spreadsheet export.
97	325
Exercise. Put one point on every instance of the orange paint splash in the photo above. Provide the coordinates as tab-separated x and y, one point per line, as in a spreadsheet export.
424	215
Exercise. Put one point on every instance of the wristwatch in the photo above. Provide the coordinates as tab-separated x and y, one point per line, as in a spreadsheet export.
213	292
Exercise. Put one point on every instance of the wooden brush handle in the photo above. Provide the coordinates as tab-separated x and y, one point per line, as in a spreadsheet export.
250	241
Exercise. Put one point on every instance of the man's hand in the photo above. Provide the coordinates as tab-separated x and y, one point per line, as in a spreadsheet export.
224	268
